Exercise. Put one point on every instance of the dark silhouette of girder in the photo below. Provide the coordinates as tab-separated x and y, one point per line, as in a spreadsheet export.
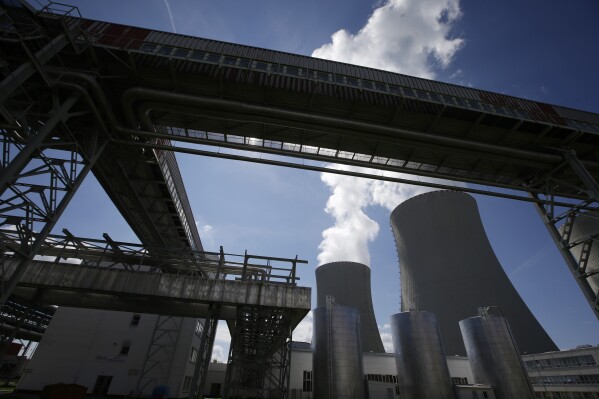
119	95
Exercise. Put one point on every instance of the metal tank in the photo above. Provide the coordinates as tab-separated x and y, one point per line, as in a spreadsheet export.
421	363
338	371
448	267
494	356
349	283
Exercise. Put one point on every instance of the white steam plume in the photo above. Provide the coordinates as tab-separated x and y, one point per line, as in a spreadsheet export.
348	239
406	36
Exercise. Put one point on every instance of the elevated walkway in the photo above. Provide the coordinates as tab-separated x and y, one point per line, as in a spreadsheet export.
74	285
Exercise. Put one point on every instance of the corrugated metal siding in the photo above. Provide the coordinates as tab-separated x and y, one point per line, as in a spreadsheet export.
345	74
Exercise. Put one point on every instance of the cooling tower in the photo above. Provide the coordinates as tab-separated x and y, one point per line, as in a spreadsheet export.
421	364
493	355
349	283
337	365
447	267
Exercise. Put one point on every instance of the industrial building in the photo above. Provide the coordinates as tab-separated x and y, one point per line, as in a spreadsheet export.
420	360
568	374
447	267
337	355
493	355
113	353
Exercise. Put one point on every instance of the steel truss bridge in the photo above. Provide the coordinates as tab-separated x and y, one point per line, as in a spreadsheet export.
80	96
258	296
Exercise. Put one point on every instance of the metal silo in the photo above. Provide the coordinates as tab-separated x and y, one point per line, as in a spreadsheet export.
338	371
448	267
493	355
421	364
349	283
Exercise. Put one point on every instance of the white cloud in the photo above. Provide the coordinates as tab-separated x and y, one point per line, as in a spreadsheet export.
387	338
222	342
207	235
222	333
400	36
219	354
389	195
303	331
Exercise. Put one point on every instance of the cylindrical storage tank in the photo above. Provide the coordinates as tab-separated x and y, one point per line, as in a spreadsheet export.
494	357
349	283
448	267
585	226
338	371
421	364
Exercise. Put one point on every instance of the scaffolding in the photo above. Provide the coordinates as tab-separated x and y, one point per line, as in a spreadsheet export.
259	355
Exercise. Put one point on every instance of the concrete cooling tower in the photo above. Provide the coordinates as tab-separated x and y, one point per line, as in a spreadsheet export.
349	283
447	267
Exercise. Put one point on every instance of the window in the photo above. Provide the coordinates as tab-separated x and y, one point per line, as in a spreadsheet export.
199	327
148	47
307	385
165	50
193	355
186	383
125	348
135	320
388	378
459	380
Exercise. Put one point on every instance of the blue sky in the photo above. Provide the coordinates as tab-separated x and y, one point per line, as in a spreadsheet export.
540	50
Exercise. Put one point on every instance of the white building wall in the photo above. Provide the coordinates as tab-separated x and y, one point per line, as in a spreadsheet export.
374	363
459	367
301	360
379	363
216	375
82	344
182	365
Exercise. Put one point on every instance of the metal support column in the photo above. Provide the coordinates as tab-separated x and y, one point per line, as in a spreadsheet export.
583	174
6	341
560	221
200	371
159	357
259	357
48	213
12	170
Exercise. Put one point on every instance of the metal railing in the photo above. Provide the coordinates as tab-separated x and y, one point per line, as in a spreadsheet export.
108	253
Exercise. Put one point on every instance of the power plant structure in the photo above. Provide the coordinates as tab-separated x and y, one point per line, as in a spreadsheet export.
419	356
81	97
448	267
337	369
349	284
493	355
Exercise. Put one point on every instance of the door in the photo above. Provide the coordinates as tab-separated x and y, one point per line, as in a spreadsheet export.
102	384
